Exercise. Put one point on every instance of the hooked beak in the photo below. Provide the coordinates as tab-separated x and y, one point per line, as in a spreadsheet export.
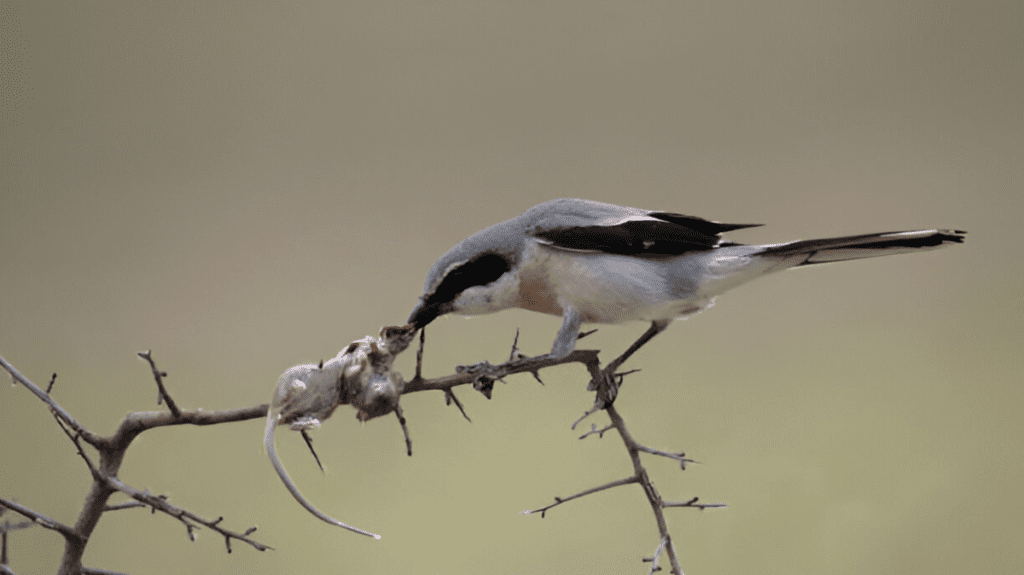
425	313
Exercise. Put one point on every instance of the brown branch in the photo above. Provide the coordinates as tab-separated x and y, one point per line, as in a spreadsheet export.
59	411
680	457
405	430
649	490
125	505
693	503
657	554
561	500
78	447
187	518
606	383
482	376
112	451
5	528
419	354
527	365
595	431
90	571
159	377
68	532
135	423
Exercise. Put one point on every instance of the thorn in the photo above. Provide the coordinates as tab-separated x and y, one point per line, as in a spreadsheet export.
515	347
584	334
405	430
53	378
449	397
419	353
309	442
320	365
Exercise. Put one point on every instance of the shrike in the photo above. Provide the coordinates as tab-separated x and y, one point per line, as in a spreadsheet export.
592	262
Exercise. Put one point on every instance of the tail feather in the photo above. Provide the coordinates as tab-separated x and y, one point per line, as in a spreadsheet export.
865	246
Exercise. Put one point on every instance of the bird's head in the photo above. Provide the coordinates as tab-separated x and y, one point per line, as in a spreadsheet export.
473	277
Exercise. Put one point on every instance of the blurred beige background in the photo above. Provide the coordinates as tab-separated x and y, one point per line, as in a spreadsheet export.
241	188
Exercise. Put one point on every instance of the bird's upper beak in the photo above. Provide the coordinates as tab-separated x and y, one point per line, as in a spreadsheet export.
424	313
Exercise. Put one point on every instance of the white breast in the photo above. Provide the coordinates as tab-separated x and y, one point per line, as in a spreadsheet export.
608	288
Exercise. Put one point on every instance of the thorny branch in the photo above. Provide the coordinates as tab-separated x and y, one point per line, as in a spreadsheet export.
560	500
112	451
5	528
606	382
69	533
190	520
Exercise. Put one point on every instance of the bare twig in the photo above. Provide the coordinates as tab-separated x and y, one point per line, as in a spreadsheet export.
405	430
69	533
78	447
561	500
125	505
516	355
159	377
5	528
87	435
680	457
419	354
90	571
187	518
595	431
657	554
693	503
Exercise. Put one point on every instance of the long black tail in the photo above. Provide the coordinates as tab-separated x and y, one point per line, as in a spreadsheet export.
865	246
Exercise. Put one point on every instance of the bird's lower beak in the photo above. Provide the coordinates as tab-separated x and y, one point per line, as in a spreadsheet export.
423	314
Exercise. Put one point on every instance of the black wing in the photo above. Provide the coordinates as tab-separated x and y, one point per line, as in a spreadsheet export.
656	234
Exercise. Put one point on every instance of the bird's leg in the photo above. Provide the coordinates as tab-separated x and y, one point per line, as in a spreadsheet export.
657	327
608	387
565	341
